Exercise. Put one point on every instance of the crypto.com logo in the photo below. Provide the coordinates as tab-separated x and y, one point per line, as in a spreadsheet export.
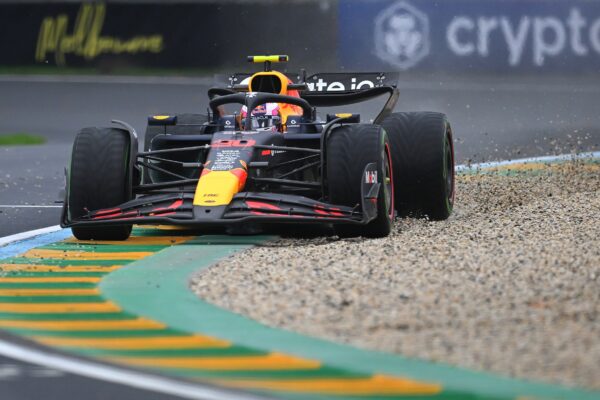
401	35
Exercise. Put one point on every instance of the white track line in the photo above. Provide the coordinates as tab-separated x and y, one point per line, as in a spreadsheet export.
29	234
562	157
108	373
118	375
26	206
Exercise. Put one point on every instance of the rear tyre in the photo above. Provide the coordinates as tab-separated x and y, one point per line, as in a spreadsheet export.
423	154
349	149
98	179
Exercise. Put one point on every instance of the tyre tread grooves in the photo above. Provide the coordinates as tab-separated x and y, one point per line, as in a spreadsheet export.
418	146
98	177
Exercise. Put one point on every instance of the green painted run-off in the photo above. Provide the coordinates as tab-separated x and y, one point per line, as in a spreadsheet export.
157	287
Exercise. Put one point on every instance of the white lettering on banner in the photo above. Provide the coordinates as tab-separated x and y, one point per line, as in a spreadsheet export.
515	41
542	47
550	36
457	24
485	27
595	35
576	23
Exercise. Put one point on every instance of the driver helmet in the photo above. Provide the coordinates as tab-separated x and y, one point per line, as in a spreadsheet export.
264	117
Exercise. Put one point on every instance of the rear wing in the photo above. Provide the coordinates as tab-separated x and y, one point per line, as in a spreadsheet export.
335	82
327	82
335	88
343	88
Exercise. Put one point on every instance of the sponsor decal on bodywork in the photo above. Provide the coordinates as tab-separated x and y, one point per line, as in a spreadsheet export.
371	177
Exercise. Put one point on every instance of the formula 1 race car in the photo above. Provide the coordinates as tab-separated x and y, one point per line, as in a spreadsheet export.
270	161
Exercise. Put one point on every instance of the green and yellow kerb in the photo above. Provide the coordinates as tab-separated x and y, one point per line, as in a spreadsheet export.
50	295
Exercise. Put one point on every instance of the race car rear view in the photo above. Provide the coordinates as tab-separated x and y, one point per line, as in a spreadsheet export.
262	156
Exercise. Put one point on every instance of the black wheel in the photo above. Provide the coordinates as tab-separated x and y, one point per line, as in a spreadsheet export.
423	155
98	179
349	149
187	124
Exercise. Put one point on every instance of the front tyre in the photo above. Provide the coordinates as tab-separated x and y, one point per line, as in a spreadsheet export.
349	149
98	179
423	154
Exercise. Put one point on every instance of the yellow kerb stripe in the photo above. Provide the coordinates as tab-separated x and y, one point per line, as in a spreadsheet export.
49	292
163	228
54	268
58	307
273	361
376	385
129	343
84	325
85	255
60	279
139	240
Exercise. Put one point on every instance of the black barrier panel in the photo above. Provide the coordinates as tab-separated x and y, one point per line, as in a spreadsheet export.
203	35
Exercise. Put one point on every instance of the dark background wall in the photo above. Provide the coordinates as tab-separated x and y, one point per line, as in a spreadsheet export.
166	34
454	36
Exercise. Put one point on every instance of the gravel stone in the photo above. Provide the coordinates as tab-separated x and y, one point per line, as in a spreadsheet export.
509	284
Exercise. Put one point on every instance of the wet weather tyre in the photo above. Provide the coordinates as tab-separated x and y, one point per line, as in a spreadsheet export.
423	155
98	179
349	149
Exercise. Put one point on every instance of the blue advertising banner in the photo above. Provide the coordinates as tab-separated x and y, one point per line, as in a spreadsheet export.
528	36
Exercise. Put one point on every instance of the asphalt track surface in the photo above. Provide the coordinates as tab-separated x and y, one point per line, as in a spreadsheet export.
25	381
493	118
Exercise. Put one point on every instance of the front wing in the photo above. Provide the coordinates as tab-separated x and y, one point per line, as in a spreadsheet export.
178	209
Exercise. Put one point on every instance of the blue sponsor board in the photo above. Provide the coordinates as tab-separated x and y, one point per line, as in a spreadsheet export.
506	36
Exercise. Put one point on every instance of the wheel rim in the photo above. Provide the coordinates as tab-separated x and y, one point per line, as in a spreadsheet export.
388	181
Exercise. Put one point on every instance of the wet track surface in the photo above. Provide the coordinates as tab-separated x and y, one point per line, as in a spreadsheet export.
492	119
23	381
30	180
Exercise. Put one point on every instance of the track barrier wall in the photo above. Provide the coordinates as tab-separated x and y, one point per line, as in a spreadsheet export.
499	36
454	36
203	35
